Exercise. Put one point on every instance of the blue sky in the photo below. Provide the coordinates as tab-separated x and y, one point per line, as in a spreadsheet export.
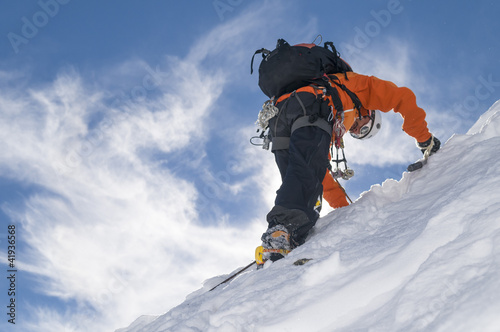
126	165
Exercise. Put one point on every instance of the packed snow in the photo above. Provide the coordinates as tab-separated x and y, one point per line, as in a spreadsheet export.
418	254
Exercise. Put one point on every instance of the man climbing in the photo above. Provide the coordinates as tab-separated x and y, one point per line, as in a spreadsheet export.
308	120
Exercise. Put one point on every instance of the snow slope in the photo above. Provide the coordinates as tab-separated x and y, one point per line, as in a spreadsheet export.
419	254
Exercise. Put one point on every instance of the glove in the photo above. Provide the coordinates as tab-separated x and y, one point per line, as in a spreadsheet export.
430	146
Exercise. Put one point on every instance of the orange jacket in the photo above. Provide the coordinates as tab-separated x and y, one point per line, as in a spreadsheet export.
376	94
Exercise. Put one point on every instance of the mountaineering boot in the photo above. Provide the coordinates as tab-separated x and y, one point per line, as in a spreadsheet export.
275	243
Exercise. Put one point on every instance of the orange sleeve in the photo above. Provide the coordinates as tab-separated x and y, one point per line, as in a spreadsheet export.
378	94
332	192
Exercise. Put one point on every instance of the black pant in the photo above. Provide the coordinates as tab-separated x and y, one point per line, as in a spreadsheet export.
302	166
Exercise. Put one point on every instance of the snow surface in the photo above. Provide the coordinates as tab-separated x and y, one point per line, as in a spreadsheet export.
419	254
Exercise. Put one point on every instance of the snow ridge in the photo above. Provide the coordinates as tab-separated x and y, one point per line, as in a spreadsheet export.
422	253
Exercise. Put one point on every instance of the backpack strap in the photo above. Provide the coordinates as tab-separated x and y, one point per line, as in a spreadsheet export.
334	50
338	122
340	62
333	93
264	52
352	95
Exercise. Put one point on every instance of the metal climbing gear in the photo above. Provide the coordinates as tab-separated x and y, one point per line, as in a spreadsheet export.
267	112
338	172
264	136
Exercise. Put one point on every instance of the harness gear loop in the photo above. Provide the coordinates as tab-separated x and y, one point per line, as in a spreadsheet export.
264	136
320	37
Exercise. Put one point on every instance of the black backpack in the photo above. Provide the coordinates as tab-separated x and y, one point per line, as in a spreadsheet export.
288	68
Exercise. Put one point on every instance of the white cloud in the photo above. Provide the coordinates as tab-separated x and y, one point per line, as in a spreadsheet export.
392	61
